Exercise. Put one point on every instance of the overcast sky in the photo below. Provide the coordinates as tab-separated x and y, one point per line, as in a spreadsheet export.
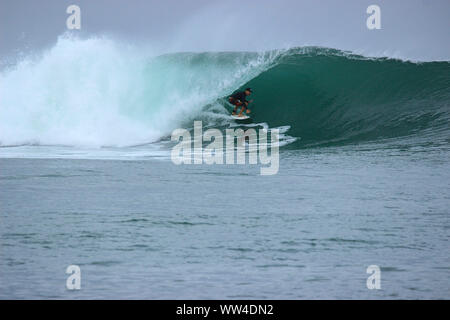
413	29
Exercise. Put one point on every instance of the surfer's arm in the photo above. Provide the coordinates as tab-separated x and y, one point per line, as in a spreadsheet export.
244	107
246	103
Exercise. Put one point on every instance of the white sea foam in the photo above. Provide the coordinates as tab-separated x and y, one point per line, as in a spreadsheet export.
99	92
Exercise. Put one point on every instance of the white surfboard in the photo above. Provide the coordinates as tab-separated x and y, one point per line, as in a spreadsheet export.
243	117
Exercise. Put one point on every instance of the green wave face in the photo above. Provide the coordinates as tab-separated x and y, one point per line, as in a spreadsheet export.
328	97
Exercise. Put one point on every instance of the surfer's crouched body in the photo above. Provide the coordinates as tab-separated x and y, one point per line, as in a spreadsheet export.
238	99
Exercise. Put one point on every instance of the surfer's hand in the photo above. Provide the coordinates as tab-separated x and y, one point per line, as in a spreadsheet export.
248	111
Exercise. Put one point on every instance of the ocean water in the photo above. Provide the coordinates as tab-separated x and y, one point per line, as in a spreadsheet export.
86	176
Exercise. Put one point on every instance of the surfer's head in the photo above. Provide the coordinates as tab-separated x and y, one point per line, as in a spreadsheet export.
248	91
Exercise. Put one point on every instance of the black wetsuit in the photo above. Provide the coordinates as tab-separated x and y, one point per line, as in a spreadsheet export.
238	96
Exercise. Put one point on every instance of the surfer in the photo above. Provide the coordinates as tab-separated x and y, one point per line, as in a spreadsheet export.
238	99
